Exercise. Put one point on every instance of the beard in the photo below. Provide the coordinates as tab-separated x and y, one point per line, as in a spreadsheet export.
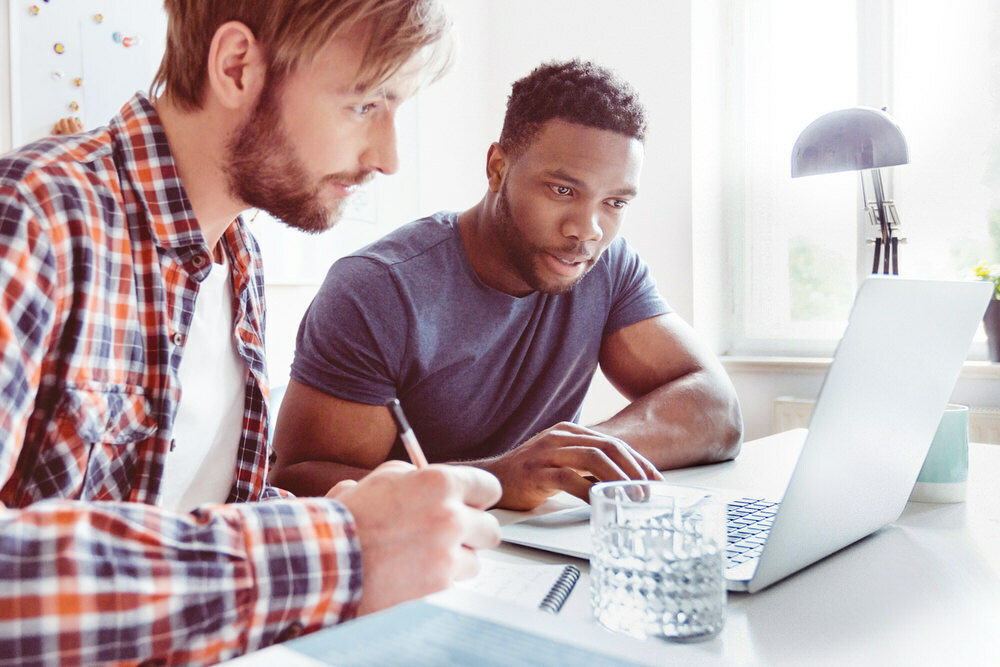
524	256
265	172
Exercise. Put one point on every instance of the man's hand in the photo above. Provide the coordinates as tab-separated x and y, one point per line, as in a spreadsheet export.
565	457
419	529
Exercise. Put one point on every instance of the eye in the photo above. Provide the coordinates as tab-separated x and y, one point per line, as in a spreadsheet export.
562	190
618	203
364	110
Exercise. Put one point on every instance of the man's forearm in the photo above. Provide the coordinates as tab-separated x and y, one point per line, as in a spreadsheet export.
692	420
99	595
314	478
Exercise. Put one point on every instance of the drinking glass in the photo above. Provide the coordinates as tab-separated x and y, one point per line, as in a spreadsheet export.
656	568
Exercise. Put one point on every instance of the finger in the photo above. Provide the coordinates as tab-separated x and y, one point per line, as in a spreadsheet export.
631	462
649	471
395	466
466	564
592	460
478	489
482	530
571	482
340	487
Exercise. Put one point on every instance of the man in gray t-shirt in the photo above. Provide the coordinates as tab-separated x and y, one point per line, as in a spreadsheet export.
489	324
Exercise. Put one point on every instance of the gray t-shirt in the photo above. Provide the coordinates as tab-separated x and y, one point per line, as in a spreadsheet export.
477	371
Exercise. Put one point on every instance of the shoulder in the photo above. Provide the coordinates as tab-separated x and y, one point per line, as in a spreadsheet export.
620	256
55	156
420	238
58	173
619	264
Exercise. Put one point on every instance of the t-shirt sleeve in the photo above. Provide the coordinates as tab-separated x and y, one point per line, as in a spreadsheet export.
636	297
352	338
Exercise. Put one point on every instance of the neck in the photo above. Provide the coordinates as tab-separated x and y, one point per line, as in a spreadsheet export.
198	141
487	254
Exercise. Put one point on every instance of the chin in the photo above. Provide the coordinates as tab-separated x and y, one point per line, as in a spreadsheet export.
561	285
556	288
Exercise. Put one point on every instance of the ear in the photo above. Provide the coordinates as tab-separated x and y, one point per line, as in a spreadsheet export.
496	166
236	68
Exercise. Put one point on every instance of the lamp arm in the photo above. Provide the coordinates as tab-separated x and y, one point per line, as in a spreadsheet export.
890	245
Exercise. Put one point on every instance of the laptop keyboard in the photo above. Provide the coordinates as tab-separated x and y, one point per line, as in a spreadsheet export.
748	521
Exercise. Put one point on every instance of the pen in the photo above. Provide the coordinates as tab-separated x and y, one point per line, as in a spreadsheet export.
406	434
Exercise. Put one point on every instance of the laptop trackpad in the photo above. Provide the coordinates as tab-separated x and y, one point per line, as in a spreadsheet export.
565	532
568	517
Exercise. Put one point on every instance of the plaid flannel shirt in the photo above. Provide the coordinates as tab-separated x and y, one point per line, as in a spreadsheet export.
100	262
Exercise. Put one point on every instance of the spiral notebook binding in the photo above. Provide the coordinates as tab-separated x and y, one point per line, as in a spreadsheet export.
560	590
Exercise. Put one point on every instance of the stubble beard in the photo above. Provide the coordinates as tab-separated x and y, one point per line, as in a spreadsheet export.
264	172
523	255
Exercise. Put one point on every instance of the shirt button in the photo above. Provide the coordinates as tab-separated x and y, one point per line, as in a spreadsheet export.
291	632
198	261
178	339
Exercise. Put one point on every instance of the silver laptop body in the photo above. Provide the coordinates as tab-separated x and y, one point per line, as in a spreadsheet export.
881	400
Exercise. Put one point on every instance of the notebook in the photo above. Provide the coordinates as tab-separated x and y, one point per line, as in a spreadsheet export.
544	586
878	408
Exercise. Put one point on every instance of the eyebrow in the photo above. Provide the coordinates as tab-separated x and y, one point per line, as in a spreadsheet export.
364	89
572	180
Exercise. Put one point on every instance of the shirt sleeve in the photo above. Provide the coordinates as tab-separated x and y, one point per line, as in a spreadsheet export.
94	583
636	296
113	582
353	337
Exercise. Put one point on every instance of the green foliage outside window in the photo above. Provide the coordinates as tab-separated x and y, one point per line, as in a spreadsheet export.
819	280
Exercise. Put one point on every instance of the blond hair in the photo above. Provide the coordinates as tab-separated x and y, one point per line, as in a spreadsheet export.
293	32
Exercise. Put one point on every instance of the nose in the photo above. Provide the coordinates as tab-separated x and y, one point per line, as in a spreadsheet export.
380	152
584	223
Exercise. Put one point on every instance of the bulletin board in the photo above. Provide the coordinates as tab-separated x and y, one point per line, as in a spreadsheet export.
86	58
81	58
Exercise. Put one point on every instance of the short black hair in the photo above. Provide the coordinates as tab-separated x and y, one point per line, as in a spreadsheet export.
574	91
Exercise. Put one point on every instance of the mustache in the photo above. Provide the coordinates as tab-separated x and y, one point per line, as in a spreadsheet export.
580	251
350	178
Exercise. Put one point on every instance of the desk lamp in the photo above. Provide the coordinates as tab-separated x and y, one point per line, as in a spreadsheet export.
858	139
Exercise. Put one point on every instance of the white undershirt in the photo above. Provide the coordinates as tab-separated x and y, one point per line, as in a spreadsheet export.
207	429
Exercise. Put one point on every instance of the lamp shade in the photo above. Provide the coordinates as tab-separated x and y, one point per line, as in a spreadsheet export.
849	140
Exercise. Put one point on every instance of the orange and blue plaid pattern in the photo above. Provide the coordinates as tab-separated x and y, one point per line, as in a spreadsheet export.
100	262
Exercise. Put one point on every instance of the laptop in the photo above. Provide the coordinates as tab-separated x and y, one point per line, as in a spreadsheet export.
876	414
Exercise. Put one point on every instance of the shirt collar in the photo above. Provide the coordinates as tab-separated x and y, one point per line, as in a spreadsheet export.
148	165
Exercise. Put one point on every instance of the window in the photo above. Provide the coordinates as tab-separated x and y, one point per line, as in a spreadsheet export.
797	242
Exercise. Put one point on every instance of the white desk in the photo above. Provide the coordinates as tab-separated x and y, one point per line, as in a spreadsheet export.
923	590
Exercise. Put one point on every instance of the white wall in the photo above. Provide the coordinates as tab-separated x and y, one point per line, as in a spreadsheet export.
5	107
109	50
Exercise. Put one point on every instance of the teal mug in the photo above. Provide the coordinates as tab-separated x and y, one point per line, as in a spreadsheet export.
943	476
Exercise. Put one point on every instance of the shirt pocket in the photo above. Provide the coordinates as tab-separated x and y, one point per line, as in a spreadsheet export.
115	427
117	415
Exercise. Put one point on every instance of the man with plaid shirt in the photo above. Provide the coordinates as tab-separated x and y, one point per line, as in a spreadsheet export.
136	520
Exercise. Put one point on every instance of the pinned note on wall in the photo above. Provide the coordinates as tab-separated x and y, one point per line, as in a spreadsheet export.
79	57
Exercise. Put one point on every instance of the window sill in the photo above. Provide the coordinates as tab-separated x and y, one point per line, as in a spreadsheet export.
782	364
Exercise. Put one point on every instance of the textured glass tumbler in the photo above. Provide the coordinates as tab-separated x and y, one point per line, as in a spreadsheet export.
656	568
